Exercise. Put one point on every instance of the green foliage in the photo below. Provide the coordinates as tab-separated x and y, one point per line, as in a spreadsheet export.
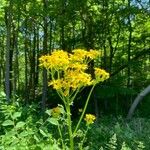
116	133
23	130
19	133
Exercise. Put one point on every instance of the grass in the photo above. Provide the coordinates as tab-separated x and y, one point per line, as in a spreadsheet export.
132	132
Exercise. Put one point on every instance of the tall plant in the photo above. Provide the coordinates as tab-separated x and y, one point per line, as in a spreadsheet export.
69	75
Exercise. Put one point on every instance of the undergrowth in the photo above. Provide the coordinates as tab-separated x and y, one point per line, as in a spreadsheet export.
23	128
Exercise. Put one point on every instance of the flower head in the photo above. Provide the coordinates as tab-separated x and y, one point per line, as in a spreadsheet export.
92	54
57	60
69	70
100	74
89	118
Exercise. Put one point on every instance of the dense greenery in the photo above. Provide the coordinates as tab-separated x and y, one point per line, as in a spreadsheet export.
22	128
32	29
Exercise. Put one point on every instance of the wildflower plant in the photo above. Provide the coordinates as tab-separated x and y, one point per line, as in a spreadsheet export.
69	75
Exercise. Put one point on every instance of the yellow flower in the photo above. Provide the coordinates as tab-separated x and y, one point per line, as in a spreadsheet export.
44	61
68	71
57	84
92	54
89	118
77	78
100	75
79	55
78	66
57	60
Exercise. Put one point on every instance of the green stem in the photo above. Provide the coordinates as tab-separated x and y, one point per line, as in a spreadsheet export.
84	109
69	125
59	130
81	145
72	97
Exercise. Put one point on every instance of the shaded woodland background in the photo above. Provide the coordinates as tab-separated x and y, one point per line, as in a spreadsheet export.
119	28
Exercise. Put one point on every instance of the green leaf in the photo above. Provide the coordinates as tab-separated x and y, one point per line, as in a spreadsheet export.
48	112
16	115
43	133
53	121
20	124
7	123
2	94
36	138
23	134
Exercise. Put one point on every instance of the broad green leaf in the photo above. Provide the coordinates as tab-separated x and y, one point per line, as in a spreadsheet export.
30	131
16	115
53	121
23	134
20	124
7	123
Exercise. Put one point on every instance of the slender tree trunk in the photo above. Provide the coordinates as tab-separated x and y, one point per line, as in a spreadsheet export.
26	88
16	53
2	74
37	58
129	47
8	16
50	36
32	67
13	67
2	63
62	34
111	53
137	100
45	40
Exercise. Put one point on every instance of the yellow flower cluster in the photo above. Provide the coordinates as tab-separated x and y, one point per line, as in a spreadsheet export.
70	69
81	55
78	66
72	79
57	60
93	54
100	74
89	118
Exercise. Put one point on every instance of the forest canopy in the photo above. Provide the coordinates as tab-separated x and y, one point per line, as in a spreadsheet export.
68	66
29	29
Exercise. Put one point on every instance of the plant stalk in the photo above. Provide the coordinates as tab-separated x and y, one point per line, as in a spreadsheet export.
84	109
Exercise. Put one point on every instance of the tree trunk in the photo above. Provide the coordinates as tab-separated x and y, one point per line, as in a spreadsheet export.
129	46
8	17
45	40
137	100
26	88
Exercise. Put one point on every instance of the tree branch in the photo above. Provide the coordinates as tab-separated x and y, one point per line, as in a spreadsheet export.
138	55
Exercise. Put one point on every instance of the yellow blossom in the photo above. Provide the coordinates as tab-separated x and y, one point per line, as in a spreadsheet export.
69	70
92	54
100	75
77	78
44	61
57	84
80	53
57	60
89	118
78	66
